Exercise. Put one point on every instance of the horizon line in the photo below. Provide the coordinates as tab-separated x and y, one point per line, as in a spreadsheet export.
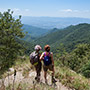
52	16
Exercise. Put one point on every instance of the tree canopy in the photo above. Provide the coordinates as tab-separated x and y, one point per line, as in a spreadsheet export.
10	33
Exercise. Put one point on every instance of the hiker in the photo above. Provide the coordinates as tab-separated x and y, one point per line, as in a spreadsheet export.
47	58
34	60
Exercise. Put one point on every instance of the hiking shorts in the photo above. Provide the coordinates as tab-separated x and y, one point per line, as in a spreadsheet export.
50	67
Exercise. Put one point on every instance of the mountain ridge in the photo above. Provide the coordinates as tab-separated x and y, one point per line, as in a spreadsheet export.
69	36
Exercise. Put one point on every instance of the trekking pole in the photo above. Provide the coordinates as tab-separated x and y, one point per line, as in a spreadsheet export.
14	78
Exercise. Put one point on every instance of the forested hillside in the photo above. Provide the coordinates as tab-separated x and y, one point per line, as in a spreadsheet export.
34	31
69	36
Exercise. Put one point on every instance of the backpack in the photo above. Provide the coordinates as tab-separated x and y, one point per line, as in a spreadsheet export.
47	59
34	58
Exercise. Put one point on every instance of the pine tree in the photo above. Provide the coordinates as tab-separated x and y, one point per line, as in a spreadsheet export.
10	33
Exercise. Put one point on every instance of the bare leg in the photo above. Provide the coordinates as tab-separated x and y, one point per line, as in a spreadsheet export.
53	72
38	71
45	76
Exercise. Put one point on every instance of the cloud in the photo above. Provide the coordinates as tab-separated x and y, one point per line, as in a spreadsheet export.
16	9
2	10
23	12
74	11
66	10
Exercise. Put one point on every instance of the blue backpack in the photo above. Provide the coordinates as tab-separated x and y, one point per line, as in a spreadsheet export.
47	59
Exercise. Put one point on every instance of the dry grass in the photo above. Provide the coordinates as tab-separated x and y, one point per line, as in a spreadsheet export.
66	76
71	79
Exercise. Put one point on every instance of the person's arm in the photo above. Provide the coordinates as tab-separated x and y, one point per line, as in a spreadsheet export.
41	57
52	58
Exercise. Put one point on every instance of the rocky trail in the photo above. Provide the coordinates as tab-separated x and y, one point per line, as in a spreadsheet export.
28	83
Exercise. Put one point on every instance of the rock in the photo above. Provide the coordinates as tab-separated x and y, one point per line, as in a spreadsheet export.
11	70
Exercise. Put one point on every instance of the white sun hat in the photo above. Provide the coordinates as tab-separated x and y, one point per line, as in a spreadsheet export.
37	47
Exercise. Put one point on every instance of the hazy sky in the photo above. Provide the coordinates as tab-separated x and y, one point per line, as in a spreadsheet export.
52	8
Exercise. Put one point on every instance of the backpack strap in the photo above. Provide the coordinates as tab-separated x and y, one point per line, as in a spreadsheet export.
47	55
44	54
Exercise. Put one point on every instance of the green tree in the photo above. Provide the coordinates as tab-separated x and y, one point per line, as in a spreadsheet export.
10	33
86	69
79	57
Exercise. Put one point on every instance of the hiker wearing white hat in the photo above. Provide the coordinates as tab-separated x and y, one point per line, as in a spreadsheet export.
34	60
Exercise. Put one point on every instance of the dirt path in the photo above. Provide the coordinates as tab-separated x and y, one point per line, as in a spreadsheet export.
20	79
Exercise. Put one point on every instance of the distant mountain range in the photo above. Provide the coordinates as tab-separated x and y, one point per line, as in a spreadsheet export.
53	31
53	22
33	32
69	36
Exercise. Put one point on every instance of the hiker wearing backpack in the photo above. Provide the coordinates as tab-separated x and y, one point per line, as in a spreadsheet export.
35	61
47	58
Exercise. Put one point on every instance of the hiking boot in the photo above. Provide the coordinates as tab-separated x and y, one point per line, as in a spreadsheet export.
53	80
37	79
